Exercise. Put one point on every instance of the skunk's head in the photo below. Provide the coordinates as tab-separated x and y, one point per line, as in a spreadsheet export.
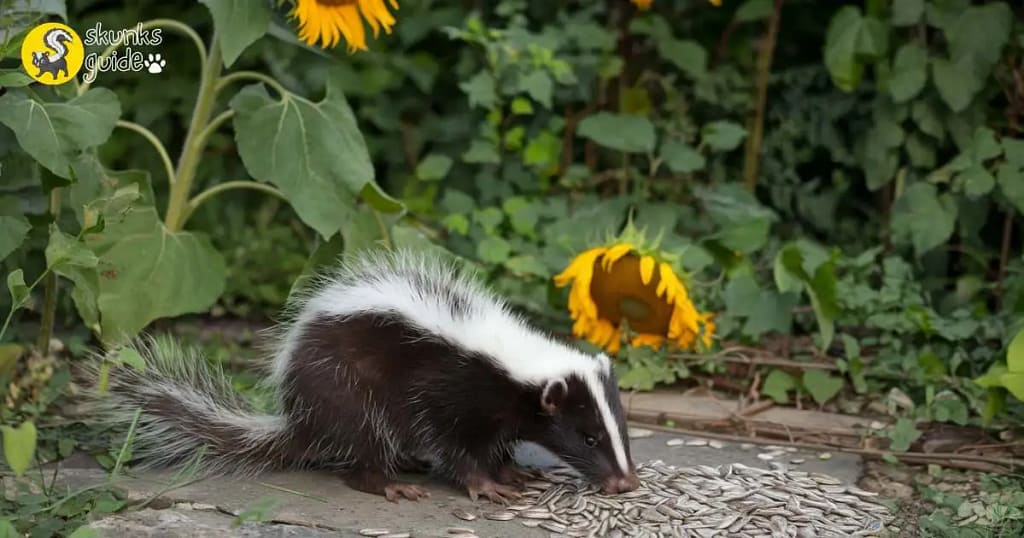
585	426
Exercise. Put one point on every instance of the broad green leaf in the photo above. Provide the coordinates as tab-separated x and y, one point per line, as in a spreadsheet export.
682	158
723	135
769	312
1013	382
976	181
313	152
909	73
147	272
538	85
457	223
743	222
526	265
482	152
239	23
19	446
1011	183
907	12
493	249
98	191
16	285
922	218
821	385
637	378
921	151
956	81
777	386
130	357
543	150
928	120
434	167
52	133
903	434
841	42
1015	354
14	78
688	55
13	230
992	378
753	10
7	530
980	33
521	106
480	89
66	250
791	274
1013	149
787	279
984	145
623	132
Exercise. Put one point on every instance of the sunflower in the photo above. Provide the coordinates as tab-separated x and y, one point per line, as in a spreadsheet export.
329	20
627	285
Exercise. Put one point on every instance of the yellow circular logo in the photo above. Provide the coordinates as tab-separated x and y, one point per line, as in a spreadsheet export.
52	53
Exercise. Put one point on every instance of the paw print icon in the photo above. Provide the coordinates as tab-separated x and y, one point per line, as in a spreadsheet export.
155	63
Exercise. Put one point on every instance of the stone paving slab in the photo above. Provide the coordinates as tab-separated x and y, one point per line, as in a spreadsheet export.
326	507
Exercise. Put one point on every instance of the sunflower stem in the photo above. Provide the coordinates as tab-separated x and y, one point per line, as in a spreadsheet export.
177	207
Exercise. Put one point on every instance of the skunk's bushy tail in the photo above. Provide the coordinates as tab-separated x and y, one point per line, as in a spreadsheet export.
188	409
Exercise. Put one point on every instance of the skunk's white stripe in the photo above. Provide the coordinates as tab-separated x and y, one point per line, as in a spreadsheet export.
383	283
614	434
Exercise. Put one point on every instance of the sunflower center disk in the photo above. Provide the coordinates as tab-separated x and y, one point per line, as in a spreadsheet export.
619	293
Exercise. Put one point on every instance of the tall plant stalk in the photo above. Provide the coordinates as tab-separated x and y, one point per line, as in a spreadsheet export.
752	159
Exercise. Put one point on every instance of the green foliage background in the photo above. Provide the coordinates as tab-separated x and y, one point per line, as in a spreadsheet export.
846	176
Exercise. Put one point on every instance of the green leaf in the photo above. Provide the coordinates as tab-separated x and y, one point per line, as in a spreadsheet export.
723	135
148	273
19	446
480	89
909	73
637	378
239	23
903	434
688	55
481	152
681	158
543	150
14	78
457	223
1013	149
13	230
527	265
64	249
841	39
1013	382
921	151
777	386
434	167
754	10
992	378
493	249
521	106
928	120
743	222
7	530
977	181
1011	183
907	12
1015	354
538	85
980	33
313	152
623	132
956	81
984	145
791	274
130	357
54	132
821	386
16	285
922	218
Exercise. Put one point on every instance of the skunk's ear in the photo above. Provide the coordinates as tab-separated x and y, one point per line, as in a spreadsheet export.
553	396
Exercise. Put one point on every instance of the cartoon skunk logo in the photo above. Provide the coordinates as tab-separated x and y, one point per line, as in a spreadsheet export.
56	61
52	53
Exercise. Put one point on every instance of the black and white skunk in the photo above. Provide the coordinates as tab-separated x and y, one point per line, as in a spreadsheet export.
395	361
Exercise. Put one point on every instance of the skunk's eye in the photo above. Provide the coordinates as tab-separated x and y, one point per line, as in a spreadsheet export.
590	440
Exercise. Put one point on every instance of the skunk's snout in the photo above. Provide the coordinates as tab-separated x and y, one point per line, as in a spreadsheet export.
620	484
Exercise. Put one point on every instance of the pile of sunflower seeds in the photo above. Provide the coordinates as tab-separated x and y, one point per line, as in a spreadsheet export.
702	501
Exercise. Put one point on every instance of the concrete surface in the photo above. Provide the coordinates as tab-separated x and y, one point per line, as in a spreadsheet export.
320	502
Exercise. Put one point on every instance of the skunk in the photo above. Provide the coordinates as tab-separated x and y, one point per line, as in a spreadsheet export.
394	361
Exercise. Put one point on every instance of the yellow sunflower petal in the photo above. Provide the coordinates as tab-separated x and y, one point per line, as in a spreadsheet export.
650	340
643	4
328	21
582	263
646	269
614	253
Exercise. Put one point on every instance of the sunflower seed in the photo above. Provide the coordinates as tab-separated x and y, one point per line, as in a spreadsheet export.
716	444
697	442
374	532
675	442
463	515
460	530
825	456
397	535
500	516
